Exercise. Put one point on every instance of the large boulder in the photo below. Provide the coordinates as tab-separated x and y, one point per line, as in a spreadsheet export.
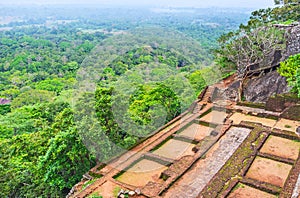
257	89
261	88
293	41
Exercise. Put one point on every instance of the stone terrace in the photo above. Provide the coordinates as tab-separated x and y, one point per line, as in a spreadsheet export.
221	149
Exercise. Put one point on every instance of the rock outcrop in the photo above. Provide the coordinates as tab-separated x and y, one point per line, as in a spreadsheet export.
292	39
257	89
261	88
230	93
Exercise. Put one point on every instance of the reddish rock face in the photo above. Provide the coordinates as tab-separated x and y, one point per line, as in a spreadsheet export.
4	101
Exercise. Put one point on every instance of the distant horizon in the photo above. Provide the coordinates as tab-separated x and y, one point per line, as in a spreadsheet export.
123	6
145	3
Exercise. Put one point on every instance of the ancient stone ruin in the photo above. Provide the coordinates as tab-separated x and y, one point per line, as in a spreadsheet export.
218	148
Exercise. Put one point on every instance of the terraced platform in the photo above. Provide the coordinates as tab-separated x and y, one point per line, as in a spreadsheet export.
219	150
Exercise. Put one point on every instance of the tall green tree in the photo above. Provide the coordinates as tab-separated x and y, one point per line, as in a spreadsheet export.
66	159
247	48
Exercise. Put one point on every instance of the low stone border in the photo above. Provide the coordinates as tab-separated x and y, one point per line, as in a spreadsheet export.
175	173
263	186
289	185
276	158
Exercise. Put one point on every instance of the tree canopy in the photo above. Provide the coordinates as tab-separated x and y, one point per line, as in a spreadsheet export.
87	84
291	69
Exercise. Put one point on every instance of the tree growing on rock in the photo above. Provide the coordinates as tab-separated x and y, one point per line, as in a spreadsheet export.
251	50
256	45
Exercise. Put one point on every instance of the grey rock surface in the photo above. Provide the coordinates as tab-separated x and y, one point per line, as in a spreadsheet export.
260	89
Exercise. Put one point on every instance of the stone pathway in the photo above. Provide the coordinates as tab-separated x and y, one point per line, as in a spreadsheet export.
194	181
296	191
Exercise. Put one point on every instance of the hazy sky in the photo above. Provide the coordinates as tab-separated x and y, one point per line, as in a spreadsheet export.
175	3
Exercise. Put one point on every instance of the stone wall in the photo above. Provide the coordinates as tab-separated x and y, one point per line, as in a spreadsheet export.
280	102
292	113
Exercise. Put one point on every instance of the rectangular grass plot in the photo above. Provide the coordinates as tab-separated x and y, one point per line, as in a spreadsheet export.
269	171
107	189
238	117
216	117
142	172
281	147
288	125
196	131
175	149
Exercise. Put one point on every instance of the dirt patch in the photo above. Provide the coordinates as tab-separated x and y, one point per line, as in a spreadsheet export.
196	131
214	117
175	149
281	147
142	172
238	117
269	171
244	191
288	125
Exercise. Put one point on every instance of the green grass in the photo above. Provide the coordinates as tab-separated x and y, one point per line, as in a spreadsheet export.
116	191
239	185
88	183
287	126
95	196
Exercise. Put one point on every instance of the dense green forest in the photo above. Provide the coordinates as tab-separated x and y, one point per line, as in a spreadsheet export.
85	84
